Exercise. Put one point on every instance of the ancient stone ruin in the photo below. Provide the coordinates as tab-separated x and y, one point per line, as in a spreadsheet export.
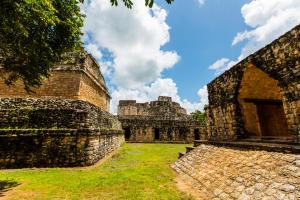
64	123
219	172
157	121
260	96
253	128
77	77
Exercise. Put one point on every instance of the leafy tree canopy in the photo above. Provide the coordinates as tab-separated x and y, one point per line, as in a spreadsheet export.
198	115
129	4
35	34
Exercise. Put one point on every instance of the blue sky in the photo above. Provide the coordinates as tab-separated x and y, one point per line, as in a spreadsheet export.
201	35
175	50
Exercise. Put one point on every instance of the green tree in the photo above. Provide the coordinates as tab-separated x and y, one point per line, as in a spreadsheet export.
36	34
129	4
198	115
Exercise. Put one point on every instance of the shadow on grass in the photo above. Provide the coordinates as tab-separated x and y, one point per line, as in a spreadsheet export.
6	185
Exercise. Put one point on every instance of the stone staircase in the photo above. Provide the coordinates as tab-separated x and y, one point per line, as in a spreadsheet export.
239	170
274	145
188	149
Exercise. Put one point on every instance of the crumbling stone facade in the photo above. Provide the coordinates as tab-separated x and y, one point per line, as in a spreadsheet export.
64	124
253	129
77	77
158	121
260	96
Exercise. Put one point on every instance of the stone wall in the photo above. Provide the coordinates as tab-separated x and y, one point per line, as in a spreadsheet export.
222	122
226	173
280	60
89	91
158	121
78	77
143	130
163	108
55	133
56	148
51	88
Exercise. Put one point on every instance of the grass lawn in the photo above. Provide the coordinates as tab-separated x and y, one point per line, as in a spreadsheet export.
137	171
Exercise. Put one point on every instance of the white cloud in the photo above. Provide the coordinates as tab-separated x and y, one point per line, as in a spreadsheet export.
260	12
93	49
221	65
160	87
203	94
201	2
267	21
134	39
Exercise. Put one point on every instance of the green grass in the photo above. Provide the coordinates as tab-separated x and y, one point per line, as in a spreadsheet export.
137	171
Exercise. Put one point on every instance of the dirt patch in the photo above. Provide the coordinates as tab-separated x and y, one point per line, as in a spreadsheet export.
186	186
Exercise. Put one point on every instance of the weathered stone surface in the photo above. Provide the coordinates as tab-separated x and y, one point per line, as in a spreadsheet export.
226	173
77	78
275	77
55	133
158	121
29	113
56	148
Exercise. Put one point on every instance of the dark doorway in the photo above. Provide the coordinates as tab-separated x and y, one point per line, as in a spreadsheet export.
272	119
182	133
127	133
156	134
196	134
170	136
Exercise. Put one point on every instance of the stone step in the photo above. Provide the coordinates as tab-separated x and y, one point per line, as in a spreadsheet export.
199	142
277	140
250	145
181	154
203	169
188	149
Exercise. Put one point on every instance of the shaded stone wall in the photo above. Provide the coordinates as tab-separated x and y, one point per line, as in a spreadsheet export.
143	130
56	148
55	133
55	114
158	121
280	60
78	77
226	173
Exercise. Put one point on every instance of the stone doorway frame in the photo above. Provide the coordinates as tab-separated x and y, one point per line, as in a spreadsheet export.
263	127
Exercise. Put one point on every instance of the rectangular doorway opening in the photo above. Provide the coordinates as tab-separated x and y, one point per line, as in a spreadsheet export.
156	133
272	119
182	133
196	134
127	133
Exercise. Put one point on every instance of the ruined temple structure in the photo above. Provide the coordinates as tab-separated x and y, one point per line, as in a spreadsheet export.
77	77
253	129
259	97
64	123
157	121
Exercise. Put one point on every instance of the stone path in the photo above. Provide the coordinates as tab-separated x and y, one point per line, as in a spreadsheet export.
224	173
